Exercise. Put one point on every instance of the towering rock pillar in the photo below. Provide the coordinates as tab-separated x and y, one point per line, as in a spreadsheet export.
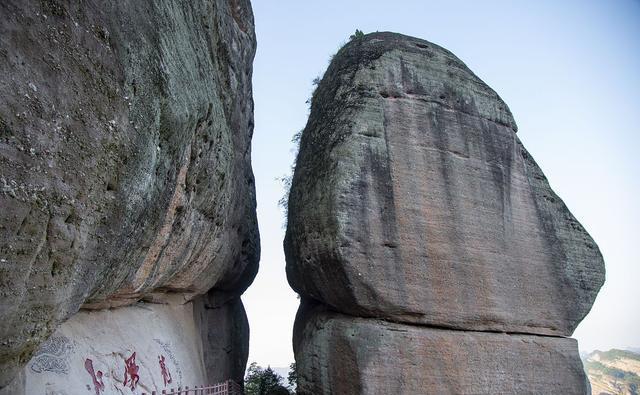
429	251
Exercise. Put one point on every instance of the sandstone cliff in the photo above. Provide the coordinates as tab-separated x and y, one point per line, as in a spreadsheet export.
125	175
414	202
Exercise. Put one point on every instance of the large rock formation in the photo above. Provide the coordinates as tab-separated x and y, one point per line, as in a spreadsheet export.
413	201
125	174
348	355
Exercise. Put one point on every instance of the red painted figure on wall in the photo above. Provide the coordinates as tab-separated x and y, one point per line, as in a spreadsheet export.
166	375
131	372
98	385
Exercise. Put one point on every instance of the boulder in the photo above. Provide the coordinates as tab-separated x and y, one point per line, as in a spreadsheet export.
413	200
125	132
348	355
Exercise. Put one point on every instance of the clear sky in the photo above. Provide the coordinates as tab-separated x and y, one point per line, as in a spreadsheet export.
569	71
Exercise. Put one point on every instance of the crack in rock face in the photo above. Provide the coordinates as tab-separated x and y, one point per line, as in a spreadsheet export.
125	135
413	201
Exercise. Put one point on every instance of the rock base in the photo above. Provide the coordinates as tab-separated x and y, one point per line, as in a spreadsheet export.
338	354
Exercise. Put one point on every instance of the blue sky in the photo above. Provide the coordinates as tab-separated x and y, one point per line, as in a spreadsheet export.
569	71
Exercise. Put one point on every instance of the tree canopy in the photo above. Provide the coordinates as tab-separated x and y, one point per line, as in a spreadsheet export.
261	381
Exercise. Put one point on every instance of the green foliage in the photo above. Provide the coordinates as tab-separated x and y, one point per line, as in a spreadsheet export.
279	390
286	179
618	354
609	367
283	202
261	381
357	35
315	82
593	367
292	377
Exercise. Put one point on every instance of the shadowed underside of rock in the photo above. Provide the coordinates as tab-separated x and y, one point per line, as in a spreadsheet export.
224	331
414	200
125	132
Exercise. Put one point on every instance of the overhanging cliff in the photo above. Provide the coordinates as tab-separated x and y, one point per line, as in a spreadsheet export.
125	131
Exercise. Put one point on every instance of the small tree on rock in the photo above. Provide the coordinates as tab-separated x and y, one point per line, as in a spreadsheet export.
357	35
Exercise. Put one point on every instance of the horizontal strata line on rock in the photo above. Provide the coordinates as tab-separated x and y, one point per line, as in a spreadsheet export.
446	106
442	327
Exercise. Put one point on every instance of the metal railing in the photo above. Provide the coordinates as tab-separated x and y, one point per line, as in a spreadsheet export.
228	387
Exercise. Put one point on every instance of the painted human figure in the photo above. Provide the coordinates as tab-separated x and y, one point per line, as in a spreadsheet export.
98	384
131	372
166	375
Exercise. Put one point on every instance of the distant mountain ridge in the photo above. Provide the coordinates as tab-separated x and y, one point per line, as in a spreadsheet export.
613	372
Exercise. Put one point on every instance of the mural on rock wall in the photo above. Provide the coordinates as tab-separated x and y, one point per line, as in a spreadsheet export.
166	347
131	372
139	372
104	371
166	374
98	384
125	351
53	356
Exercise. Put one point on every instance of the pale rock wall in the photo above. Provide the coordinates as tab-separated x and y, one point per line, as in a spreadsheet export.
97	344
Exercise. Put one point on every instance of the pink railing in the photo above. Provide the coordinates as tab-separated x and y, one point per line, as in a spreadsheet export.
228	387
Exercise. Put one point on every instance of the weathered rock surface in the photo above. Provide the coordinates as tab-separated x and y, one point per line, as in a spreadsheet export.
224	331
125	173
430	253
347	355
169	352
413	200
